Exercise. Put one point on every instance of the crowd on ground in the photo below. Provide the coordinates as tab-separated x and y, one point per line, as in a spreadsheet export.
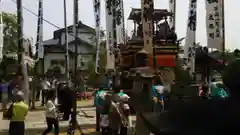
112	107
56	97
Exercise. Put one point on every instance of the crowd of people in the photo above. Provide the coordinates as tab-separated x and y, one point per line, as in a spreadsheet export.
112	111
112	106
213	90
57	98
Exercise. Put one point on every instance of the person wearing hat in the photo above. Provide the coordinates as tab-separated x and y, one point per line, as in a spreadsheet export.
123	100
19	112
99	104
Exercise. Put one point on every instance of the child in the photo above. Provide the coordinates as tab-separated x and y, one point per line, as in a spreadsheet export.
51	115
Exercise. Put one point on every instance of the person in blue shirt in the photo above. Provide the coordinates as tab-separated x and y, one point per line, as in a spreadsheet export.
158	96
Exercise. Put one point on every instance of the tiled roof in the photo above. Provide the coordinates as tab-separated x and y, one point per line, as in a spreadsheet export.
80	25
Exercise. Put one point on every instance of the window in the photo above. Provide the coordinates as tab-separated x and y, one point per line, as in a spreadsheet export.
56	62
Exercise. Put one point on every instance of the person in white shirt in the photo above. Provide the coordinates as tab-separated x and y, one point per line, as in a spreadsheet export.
51	115
45	84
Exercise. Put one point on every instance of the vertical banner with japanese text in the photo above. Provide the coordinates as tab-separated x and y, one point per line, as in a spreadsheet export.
214	24
172	8
147	23
120	22
110	65
97	6
189	48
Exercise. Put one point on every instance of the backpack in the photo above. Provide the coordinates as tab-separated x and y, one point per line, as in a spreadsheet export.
7	114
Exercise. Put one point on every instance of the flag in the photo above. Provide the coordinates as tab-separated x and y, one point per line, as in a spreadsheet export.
120	22
214	24
189	48
172	5
110	65
97	9
147	24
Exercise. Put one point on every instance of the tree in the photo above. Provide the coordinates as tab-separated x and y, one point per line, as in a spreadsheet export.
182	76
10	33
91	66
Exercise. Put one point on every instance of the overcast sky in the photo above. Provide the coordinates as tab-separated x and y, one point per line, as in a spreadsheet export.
53	12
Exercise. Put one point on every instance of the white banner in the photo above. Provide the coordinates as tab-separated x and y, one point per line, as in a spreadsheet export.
214	24
97	14
109	33
120	22
189	48
147	24
1	36
172	5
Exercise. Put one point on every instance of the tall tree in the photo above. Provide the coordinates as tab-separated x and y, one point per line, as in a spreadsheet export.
10	33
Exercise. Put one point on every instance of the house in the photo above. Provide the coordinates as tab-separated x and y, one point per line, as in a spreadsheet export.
55	50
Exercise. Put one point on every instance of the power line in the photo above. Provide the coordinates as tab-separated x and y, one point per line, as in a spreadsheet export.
37	16
44	19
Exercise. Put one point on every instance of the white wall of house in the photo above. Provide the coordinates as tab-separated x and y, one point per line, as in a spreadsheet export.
83	49
61	56
53	56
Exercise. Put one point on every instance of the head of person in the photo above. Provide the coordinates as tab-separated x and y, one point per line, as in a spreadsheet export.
101	88
19	96
204	88
158	81
50	96
213	80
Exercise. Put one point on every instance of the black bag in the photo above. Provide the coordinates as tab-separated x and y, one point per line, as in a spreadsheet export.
8	113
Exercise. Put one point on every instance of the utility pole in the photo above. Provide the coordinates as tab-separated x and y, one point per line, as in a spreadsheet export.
40	48
21	53
66	41
75	31
20	30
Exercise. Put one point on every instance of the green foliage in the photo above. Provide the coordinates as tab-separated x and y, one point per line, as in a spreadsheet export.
93	77
8	67
231	73
10	33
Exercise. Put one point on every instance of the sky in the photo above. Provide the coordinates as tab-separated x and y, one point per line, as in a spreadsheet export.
53	12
